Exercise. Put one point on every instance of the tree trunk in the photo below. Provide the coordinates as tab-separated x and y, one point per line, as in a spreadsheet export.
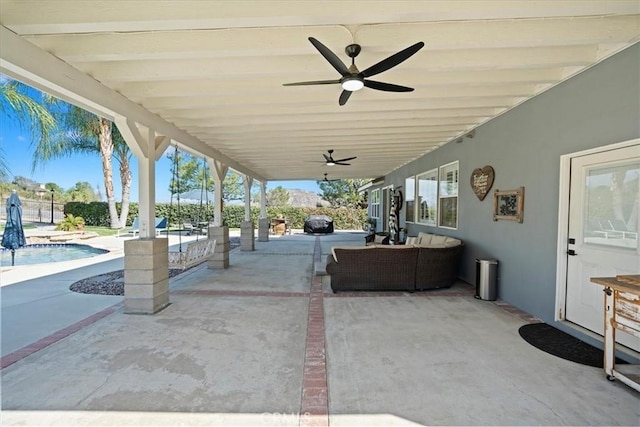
125	179
106	152
617	181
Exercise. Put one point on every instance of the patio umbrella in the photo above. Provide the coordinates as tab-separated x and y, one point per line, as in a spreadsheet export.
13	236
196	196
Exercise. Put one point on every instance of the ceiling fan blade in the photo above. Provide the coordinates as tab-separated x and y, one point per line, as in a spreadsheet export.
331	57
387	87
326	158
342	164
316	82
392	61
344	97
345	160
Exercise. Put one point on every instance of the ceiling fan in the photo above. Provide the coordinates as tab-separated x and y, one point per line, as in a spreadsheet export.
329	180
330	161
354	79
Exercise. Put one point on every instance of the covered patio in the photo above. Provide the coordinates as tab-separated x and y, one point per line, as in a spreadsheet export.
255	336
265	343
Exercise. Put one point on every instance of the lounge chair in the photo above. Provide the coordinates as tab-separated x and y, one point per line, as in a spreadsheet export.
595	228
161	225
617	225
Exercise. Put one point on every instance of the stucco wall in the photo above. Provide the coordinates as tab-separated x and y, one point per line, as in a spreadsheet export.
598	107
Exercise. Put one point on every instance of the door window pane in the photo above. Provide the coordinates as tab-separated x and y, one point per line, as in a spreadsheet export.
611	198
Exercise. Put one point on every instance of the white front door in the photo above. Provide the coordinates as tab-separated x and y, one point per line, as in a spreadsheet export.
603	232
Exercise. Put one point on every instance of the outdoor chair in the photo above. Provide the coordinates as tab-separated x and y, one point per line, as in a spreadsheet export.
595	229
161	225
188	227
607	228
617	225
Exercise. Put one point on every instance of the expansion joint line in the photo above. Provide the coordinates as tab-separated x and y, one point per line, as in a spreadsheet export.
314	405
28	350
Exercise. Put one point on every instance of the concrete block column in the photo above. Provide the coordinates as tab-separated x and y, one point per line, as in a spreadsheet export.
247	236
220	257
146	275
263	229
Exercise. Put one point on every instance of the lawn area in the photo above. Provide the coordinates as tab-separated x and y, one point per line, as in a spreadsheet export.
102	231
24	227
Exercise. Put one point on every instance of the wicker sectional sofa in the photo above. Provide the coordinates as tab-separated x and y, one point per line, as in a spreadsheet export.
428	262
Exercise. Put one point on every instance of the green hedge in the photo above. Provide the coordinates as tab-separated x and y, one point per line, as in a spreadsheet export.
97	214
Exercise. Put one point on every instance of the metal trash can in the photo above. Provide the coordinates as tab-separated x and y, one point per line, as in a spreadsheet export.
487	279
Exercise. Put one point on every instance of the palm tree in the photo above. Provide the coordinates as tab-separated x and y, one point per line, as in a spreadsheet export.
84	132
17	103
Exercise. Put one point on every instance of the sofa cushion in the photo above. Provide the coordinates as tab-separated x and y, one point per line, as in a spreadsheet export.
436	239
424	238
450	242
427	240
378	239
411	241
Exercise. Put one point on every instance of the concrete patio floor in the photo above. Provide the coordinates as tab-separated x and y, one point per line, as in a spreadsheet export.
265	342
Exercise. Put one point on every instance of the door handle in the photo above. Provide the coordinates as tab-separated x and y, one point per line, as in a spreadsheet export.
571	252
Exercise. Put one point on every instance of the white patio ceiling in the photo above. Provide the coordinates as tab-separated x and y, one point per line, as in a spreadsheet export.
213	70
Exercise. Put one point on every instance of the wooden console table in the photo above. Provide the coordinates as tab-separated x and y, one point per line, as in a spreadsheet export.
621	311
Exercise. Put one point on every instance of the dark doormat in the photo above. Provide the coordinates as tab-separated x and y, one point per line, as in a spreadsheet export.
553	341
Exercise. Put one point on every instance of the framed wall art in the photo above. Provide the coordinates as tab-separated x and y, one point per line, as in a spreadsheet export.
509	205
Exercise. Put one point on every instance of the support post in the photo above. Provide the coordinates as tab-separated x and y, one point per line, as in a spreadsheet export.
220	257
146	260
263	229
146	275
219	172
247	228
263	199
248	181
247	236
263	222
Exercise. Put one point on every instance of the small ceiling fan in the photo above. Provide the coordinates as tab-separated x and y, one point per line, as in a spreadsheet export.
354	79
329	180
330	161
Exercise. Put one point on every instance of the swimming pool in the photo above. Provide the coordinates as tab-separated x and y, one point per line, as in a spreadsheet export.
50	252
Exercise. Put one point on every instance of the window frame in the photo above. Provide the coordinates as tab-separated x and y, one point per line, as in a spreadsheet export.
448	194
430	220
410	197
374	212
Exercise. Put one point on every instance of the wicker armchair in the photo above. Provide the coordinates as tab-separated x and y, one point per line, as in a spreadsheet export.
381	238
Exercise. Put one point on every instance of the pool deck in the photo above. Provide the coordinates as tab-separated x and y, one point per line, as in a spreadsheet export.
42	290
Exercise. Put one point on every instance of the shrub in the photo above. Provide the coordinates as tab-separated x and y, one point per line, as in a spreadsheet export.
71	223
97	214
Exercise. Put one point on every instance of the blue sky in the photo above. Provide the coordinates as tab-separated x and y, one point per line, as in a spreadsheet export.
15	142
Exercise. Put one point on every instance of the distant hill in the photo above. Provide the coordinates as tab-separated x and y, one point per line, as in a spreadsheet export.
302	198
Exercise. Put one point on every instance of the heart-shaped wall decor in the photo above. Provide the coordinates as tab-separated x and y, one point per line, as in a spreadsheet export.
482	181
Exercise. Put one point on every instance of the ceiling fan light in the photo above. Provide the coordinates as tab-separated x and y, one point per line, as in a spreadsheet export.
330	163
352	84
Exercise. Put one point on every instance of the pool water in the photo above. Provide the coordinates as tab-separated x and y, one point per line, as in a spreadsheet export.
44	253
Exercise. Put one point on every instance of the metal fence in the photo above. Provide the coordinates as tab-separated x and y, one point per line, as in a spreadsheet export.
36	211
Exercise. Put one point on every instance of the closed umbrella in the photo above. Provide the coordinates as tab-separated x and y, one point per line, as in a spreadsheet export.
13	236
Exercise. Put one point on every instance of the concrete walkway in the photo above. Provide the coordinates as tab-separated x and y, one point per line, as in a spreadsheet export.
36	301
266	343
